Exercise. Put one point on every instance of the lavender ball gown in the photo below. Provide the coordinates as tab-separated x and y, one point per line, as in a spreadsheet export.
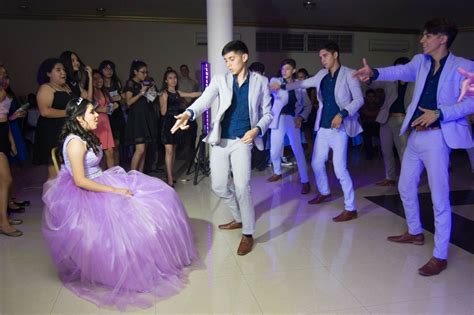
113	250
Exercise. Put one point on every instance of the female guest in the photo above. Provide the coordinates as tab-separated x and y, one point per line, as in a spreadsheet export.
52	97
7	147
117	239
113	86
141	127
104	107
170	106
79	76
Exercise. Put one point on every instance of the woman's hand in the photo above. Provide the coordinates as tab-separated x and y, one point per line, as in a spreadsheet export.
123	191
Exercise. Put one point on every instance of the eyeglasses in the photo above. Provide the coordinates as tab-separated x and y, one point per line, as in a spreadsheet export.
143	71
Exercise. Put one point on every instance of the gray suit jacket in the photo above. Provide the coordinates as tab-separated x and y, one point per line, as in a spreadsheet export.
348	96
302	106
391	95
455	127
221	86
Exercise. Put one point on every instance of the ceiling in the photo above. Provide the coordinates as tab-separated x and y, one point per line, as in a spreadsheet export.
369	15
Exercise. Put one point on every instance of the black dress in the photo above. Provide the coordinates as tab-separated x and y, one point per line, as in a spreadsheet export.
173	109
117	120
141	126
48	130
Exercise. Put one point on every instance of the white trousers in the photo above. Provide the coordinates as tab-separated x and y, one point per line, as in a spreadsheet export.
335	139
286	126
427	149
389	135
234	155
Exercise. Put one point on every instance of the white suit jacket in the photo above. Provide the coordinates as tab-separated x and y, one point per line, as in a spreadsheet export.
348	94
221	86
302	106
391	95
455	127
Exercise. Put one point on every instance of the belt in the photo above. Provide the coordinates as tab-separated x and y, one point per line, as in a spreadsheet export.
422	128
397	115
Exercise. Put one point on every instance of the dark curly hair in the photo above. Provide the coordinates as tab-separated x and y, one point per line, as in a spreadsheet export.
77	107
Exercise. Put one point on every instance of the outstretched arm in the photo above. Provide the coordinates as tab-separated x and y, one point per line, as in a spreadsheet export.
467	88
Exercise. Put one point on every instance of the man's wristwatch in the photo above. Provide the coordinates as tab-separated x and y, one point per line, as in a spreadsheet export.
437	113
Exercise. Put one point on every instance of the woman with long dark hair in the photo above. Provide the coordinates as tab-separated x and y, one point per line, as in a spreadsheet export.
104	107
141	127
113	86
52	97
170	106
117	239
79	76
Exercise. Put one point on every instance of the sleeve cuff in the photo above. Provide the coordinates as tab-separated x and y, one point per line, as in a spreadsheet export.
375	75
441	116
192	114
344	113
259	130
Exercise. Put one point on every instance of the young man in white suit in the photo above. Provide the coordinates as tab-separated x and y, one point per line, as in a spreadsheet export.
289	111
398	95
243	115
436	121
340	97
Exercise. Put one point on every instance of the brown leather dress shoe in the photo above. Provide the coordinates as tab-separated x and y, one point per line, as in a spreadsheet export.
319	199
345	216
274	178
305	188
231	225
245	246
433	267
407	238
387	182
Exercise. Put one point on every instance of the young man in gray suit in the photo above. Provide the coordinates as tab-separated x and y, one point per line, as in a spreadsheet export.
436	120
340	97
243	115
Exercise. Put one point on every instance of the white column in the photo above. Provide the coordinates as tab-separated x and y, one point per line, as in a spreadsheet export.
219	32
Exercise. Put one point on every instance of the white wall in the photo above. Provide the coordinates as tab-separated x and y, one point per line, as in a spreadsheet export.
26	43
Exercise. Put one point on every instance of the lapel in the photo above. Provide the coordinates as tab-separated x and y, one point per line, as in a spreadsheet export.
252	89
322	73
342	72
227	100
446	70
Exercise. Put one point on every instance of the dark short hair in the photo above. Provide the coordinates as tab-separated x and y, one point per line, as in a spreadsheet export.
257	67
237	46
401	61
331	46
183	66
370	91
443	26
304	71
288	61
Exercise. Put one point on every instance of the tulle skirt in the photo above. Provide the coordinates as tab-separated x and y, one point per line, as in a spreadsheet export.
114	250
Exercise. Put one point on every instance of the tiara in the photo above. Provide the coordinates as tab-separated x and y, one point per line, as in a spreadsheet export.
79	100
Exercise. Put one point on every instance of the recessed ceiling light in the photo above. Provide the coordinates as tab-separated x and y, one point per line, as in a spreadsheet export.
24	7
101	10
309	4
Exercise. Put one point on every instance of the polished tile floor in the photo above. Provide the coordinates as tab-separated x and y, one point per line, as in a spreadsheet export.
302	261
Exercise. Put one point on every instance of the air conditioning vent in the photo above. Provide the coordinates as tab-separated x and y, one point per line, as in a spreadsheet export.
389	45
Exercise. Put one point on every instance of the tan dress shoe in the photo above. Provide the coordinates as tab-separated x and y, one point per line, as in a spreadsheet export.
245	246
433	267
274	178
345	216
319	199
407	238
305	188
233	225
